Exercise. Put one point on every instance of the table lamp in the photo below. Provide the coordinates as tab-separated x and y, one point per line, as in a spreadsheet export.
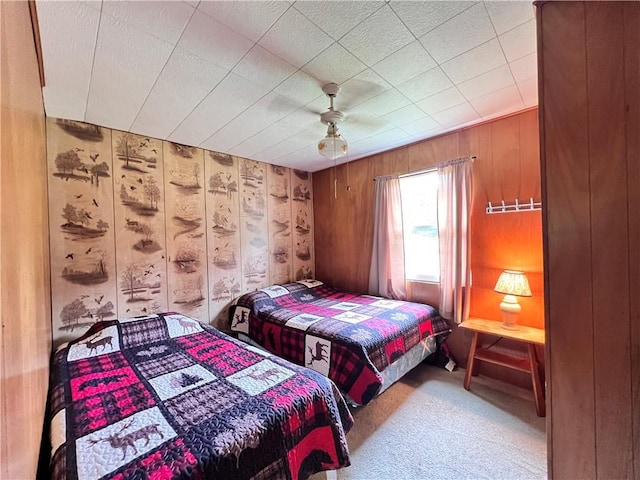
512	283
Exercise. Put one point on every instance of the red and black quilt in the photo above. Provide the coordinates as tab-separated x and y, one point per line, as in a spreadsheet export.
348	337
164	396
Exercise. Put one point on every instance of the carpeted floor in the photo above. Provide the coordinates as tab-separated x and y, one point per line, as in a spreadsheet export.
428	427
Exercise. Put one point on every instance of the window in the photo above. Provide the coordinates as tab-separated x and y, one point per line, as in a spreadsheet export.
420	225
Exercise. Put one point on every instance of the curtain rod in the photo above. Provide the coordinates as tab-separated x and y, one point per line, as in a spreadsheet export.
424	170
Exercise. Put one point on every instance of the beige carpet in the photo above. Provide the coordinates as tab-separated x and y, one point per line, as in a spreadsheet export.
428	427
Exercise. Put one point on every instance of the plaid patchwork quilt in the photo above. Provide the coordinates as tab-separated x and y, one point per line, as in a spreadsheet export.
164	396
349	338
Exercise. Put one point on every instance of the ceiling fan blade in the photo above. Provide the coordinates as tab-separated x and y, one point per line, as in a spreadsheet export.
357	91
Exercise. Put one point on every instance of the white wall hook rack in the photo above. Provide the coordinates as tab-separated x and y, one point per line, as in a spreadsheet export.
514	207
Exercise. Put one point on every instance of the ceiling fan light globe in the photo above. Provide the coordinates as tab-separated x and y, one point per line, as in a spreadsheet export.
332	147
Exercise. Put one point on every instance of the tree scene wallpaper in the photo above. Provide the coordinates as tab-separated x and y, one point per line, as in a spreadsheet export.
139	225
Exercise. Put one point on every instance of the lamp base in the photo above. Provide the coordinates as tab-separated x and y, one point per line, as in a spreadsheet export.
510	309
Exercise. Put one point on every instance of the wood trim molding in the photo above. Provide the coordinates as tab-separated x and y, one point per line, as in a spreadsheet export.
33	11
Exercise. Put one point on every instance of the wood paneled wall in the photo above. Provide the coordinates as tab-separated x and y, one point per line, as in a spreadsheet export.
25	334
507	167
589	58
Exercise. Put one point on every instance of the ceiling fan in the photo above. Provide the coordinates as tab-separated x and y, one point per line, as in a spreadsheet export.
332	146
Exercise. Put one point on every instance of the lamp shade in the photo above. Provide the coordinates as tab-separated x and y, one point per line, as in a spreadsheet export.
332	146
512	282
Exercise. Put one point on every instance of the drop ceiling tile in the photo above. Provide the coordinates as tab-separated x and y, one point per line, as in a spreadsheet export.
425	85
337	18
463	32
253	120
303	139
278	132
520	41
475	62
456	116
441	101
300	89
68	32
335	65
185	81
525	67
127	63
496	79
213	42
508	15
251	19
193	3
499	102
377	37
264	68
404	115
406	63
529	91
295	39
305	158
232	96
359	89
421	126
165	20
422	17
385	102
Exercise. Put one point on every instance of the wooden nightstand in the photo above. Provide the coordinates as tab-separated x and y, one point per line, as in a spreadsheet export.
527	335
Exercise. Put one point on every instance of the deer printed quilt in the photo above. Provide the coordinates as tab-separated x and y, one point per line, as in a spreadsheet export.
349	338
164	396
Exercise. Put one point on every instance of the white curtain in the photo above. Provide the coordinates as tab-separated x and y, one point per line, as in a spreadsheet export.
455	195
386	277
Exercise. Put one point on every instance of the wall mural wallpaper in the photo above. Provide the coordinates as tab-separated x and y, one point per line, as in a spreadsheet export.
139	225
279	207
83	264
302	215
223	233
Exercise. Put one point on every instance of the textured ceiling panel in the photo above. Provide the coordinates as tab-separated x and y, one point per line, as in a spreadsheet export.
508	15
126	66
520	41
335	64
165	20
425	85
475	62
497	103
525	67
419	128
231	97
408	62
458	115
264	68
251	19
378	36
441	101
529	91
68	40
214	42
487	82
246	77
337	18
295	38
183	84
404	115
422	17
463	32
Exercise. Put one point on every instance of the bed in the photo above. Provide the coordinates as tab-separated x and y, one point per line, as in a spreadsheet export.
361	342
164	396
